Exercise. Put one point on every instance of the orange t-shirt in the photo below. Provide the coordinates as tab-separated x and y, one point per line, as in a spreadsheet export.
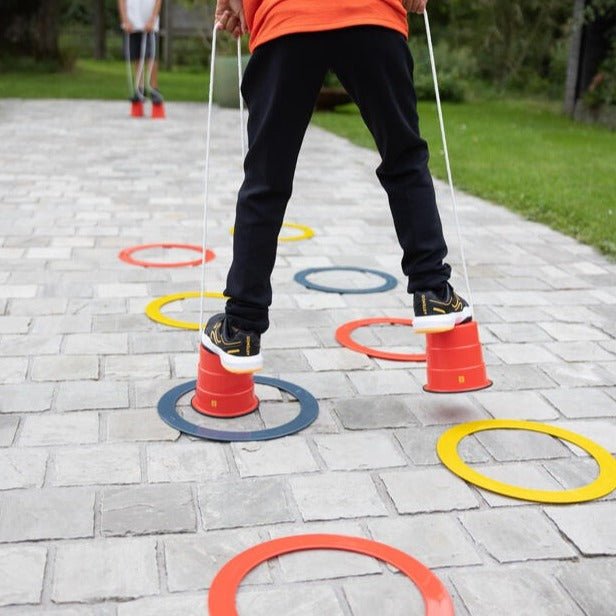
269	19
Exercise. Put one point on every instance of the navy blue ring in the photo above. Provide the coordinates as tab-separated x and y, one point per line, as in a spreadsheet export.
302	278
309	411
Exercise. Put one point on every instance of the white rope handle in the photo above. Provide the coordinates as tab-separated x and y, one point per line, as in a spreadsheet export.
207	151
207	173
239	81
129	69
152	36
453	192
141	66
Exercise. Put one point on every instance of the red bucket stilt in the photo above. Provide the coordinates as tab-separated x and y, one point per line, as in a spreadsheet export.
158	111
136	109
221	393
454	361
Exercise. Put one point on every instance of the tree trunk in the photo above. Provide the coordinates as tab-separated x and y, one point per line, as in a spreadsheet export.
46	28
573	65
100	40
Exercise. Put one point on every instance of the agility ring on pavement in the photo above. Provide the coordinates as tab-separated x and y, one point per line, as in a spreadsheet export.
153	309
126	255
603	484
305	232
221	599
309	411
302	278
343	336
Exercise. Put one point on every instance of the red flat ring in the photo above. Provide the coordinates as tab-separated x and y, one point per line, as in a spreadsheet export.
126	255
343	336
221	600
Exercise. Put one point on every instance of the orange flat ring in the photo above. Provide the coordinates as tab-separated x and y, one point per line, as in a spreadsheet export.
221	600
343	336
126	255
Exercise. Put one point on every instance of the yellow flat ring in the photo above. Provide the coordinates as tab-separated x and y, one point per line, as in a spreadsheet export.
447	449
306	232
153	309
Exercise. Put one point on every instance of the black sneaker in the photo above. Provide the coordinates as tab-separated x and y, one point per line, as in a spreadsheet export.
439	311
239	351
138	96
155	96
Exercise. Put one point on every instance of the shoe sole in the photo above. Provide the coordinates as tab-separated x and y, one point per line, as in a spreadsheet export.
439	323
232	363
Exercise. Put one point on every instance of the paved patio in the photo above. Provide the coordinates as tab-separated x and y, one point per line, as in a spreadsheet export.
107	511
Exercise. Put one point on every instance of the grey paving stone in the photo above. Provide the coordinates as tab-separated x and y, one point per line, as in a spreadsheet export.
384	383
582	402
95	344
64	367
62	324
601	431
520	377
321	385
519	332
276	457
428	490
13	369
519	534
84	395
511	445
520	591
365	450
530	475
148	510
342	495
522	353
8	428
202	462
579	351
30	345
21	574
104	464
315	565
436	540
590	584
96	566
131	367
589	526
70	611
60	513
526	405
437	409
276	414
579	374
251	502
167	342
336	359
193	562
570	332
373	413
25	397
385	594
22	468
301	602
59	429
38	306
574	472
141	425
163	606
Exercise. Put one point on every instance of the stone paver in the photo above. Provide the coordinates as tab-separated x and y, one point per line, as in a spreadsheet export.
105	510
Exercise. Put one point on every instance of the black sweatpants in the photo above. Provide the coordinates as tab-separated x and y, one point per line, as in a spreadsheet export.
280	86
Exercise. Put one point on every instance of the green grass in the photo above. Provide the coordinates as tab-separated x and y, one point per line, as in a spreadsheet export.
523	155
94	79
